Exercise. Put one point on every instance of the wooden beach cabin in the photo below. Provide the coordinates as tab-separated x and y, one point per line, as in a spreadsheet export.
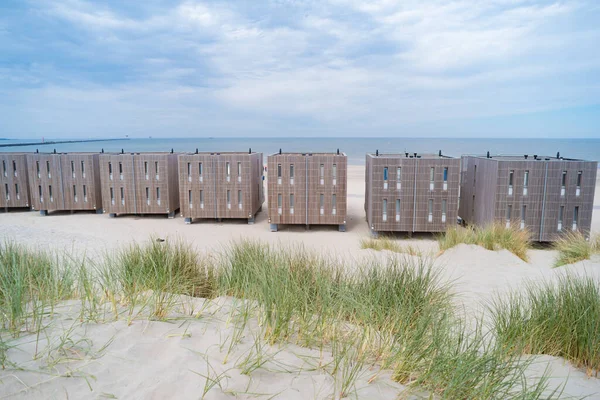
64	182
307	189
545	195
411	192
221	185
14	186
139	183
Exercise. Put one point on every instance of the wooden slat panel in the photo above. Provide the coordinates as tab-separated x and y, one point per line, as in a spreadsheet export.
173	182
412	206
152	188
112	201
215	185
229	183
192	182
554	200
532	200
438	194
323	185
48	181
483	187
368	184
75	177
139	183
14	183
285	188
307	189
256	185
391	194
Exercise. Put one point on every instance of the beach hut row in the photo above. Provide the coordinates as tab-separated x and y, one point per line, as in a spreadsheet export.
200	185
404	192
544	195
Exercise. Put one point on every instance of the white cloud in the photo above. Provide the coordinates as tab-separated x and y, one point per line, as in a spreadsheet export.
88	16
341	63
202	15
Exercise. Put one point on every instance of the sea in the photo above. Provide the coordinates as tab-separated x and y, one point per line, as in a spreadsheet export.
354	148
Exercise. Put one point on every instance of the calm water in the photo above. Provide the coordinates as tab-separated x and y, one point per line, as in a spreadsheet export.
355	148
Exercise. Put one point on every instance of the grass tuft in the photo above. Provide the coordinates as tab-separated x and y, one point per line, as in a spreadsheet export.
30	281
573	247
164	269
491	237
388	243
171	266
596	243
467	365
559	319
380	243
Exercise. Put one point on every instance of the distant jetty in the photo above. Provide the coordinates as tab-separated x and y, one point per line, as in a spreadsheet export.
57	142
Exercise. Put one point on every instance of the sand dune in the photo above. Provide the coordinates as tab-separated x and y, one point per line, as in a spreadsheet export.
151	359
159	360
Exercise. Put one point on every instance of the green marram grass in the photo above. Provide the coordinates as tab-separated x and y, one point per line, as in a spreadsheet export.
161	269
173	267
397	314
556	318
492	237
31	281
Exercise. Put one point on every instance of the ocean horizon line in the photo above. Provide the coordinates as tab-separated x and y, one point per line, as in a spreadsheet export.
354	147
301	137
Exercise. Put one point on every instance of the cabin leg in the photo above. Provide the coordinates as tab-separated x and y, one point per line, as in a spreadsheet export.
410	235
44	212
342	227
99	211
273	227
171	215
259	209
251	220
188	221
112	215
374	234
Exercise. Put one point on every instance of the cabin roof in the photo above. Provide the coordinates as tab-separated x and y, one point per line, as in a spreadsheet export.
427	156
525	157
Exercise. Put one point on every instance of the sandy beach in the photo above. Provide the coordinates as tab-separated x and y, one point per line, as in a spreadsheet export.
476	120
87	232
151	359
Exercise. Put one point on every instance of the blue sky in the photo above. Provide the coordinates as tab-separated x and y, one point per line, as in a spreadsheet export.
464	68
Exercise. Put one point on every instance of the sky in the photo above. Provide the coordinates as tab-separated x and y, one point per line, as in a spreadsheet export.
285	68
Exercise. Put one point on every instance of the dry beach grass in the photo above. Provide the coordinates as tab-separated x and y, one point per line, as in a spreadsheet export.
388	243
491	237
574	246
